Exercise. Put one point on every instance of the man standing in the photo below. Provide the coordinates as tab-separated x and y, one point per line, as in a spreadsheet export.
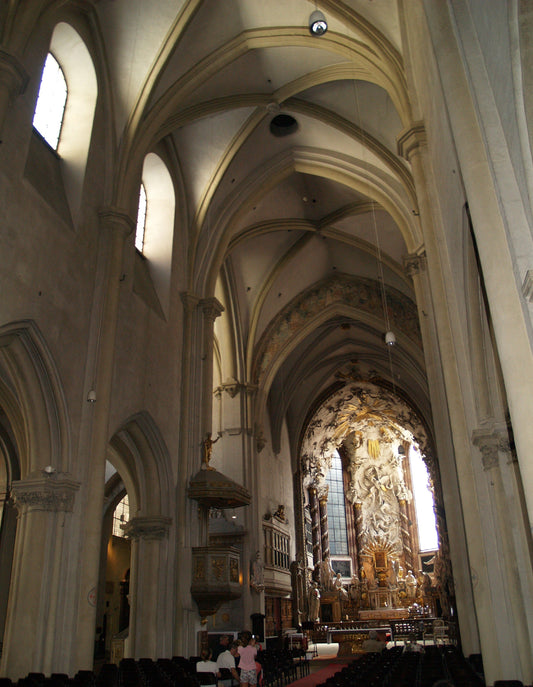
373	644
223	645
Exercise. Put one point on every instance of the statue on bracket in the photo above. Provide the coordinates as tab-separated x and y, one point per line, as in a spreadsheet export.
327	575
280	514
208	449
257	576
314	603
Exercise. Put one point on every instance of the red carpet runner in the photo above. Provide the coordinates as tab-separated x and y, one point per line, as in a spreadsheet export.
316	678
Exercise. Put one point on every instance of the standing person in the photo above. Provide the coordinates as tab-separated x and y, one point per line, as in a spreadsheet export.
227	660
223	645
373	644
247	653
412	646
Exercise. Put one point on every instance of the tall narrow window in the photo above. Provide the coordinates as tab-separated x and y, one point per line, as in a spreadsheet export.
141	220
121	516
338	539
51	101
425	514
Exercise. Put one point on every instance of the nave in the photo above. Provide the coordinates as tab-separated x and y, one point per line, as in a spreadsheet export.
393	667
266	288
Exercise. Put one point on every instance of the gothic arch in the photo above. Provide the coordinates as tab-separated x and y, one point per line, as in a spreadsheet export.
31	394
138	452
358	298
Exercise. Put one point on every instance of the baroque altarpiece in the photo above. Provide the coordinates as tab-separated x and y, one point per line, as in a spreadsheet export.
372	431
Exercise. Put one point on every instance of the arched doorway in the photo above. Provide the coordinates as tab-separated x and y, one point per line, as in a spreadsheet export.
113	612
9	471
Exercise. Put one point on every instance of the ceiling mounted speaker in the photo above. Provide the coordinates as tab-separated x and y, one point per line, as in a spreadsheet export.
317	23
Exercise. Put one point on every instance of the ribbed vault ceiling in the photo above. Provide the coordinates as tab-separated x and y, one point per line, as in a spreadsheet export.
268	217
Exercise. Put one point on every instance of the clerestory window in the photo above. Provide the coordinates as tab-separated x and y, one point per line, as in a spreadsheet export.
51	102
141	220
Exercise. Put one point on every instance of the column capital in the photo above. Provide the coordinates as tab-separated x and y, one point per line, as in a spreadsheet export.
415	263
410	140
190	300
13	76
212	308
323	493
117	220
42	491
491	440
233	387
147	528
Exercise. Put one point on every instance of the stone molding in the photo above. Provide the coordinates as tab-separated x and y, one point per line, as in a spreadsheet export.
527	286
53	492
411	140
117	220
12	75
147	528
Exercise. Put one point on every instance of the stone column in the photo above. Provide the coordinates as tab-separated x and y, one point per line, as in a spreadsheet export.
358	509
406	537
149	537
315	525
492	443
196	422
324	528
211	309
451	408
13	81
503	236
115	226
350	520
41	582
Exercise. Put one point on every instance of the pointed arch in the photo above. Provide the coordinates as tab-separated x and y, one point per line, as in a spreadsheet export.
139	453
32	396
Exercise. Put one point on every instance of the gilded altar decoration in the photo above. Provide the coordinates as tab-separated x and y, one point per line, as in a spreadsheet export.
218	565
233	570
199	569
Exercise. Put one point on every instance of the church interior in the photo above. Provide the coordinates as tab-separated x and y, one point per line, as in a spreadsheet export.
265	326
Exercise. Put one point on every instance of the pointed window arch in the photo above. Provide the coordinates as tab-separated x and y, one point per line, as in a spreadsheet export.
155	232
51	102
141	220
